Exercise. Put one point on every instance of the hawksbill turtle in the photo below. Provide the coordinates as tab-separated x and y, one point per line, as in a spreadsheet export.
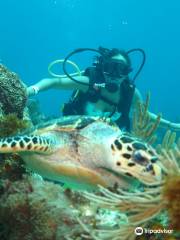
84	150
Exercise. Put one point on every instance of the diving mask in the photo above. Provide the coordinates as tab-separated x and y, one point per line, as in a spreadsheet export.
116	69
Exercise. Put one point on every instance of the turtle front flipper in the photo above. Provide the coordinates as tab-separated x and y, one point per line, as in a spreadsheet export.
27	143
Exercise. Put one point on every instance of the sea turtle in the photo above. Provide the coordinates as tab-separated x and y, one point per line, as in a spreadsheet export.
84	150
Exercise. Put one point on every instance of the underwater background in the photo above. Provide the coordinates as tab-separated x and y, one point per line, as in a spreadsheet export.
43	171
36	32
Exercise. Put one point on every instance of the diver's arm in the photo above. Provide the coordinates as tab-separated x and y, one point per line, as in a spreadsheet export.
59	83
42	85
163	122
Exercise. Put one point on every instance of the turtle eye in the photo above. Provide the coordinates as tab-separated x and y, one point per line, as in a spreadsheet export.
139	158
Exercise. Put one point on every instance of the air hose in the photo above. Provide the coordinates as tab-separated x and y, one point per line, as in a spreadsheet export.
143	61
77	73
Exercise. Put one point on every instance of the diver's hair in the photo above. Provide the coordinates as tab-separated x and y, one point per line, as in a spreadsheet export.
107	54
116	51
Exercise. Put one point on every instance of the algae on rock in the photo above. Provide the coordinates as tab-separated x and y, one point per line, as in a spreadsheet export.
10	125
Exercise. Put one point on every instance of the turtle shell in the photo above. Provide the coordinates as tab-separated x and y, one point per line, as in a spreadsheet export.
70	123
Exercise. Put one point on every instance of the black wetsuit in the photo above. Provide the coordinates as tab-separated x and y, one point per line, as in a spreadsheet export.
78	100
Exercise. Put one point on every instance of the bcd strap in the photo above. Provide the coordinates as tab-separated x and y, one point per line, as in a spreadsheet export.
127	92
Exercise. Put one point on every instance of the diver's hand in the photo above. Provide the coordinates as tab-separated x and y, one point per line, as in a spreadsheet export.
32	91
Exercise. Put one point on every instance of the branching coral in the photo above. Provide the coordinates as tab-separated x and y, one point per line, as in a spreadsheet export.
13	94
142	125
168	141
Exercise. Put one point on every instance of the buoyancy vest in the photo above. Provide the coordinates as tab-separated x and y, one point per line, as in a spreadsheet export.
78	100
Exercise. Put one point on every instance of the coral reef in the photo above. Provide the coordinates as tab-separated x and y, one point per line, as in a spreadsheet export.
171	192
168	141
33	209
13	94
11	165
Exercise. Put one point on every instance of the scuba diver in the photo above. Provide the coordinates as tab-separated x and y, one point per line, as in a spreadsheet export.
104	89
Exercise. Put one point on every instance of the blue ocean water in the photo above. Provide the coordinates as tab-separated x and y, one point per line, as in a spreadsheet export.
36	32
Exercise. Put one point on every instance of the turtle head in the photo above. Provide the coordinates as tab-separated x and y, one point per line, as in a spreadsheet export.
135	159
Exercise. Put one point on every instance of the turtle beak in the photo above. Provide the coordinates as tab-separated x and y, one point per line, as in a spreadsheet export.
157	171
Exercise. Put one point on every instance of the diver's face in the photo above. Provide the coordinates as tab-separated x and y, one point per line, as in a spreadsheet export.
117	67
119	57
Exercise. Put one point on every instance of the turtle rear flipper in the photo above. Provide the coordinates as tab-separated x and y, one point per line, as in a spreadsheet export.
27	143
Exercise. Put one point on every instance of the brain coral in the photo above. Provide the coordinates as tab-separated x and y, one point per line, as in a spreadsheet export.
12	93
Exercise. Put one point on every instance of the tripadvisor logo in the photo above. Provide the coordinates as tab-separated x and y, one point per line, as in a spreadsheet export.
138	231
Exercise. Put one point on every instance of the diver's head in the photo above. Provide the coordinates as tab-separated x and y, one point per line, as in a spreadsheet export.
114	63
